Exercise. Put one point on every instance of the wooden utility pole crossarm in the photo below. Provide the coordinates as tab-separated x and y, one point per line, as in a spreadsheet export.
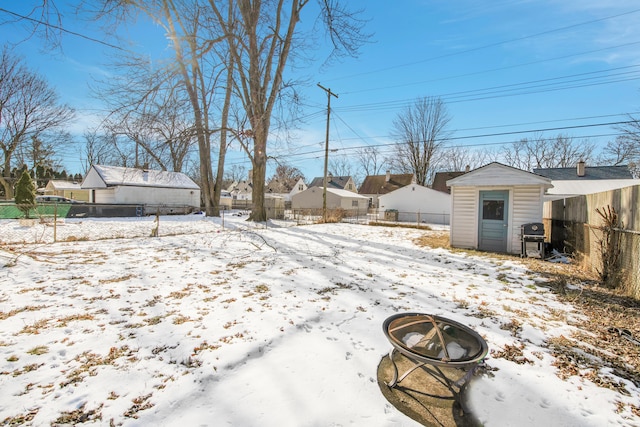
326	151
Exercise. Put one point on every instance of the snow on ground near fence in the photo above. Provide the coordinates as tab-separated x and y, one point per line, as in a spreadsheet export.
249	326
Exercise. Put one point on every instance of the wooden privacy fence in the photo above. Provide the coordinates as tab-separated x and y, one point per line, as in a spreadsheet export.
575	228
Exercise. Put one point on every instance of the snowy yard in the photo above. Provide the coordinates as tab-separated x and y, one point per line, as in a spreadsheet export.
282	326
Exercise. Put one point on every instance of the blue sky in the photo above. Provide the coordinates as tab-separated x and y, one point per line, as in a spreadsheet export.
500	66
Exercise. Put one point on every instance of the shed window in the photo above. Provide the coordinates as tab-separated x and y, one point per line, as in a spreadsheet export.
493	209
354	203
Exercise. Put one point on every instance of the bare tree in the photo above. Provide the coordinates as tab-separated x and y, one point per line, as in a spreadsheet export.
458	158
97	151
157	130
287	175
421	132
371	160
189	29
29	108
260	38
235	173
625	150
539	152
340	166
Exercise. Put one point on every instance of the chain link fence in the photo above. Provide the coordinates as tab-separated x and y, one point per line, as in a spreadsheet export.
67	223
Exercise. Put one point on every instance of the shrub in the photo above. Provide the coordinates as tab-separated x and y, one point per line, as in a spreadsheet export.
25	193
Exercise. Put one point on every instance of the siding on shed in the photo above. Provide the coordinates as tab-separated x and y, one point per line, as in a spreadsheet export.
525	205
464	221
526	192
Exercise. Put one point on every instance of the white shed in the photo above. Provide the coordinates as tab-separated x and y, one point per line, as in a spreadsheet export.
490	204
311	198
417	203
156	189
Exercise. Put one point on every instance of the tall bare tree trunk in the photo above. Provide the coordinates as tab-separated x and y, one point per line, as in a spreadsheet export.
217	187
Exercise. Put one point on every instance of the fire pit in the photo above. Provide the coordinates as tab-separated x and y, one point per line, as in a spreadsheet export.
435	341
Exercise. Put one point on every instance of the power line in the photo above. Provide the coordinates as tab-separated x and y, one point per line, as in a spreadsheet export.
64	30
568	27
491	135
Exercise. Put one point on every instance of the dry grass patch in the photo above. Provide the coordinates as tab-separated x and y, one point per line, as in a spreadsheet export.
593	348
39	350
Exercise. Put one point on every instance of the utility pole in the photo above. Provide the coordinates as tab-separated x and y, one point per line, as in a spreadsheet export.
326	151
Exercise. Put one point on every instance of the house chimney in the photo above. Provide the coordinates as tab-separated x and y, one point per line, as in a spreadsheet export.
467	169
581	168
250	175
388	177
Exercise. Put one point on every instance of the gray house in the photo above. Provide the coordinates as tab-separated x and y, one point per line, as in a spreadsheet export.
490	204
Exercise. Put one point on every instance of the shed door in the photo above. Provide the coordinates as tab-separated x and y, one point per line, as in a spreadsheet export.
492	229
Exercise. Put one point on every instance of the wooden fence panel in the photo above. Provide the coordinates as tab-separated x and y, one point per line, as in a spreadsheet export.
573	225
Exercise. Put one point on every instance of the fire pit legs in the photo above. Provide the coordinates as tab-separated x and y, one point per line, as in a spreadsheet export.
395	380
435	371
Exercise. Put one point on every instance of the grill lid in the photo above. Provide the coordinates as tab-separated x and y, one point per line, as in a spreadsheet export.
533	229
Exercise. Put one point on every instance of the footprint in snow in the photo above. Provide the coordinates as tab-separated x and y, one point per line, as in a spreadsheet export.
500	396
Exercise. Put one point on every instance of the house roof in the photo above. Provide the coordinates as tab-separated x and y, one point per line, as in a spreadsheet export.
590	173
59	184
345	193
338	182
281	186
440	180
120	176
497	174
378	184
578	188
241	187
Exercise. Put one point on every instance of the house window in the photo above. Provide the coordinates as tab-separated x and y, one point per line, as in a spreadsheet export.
300	187
354	203
350	186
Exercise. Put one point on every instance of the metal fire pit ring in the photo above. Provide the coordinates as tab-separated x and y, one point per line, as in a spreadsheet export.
427	339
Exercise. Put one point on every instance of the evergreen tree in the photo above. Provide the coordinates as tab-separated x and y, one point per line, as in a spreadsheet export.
25	193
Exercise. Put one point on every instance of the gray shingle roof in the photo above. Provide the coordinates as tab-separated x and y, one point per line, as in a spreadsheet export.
591	172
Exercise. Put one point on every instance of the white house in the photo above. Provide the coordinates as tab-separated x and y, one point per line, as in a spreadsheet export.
491	203
416	203
312	197
163	191
242	190
285	189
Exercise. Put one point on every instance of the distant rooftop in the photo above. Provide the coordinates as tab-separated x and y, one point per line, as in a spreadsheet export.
383	184
338	182
590	173
440	180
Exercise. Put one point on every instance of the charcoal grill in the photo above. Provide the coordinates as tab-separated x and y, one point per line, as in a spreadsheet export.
532	232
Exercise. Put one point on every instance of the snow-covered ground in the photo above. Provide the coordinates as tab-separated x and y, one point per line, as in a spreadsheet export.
248	326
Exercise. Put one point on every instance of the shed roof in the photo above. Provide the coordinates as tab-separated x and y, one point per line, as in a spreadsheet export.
496	174
590	173
121	176
378	184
